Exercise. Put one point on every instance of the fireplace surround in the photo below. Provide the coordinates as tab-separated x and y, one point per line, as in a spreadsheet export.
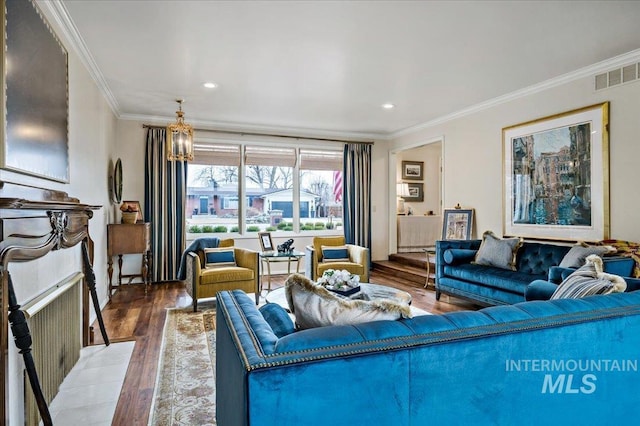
33	223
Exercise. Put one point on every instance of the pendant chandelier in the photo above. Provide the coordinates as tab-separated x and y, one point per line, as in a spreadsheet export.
179	138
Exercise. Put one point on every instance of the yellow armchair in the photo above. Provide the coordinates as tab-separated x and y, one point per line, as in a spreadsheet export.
357	263
203	282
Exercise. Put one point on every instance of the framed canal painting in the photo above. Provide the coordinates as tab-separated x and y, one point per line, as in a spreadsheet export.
556	176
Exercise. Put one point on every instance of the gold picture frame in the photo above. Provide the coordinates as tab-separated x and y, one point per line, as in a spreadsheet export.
556	176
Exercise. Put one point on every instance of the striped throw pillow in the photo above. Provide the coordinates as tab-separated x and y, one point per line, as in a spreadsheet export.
218	257
589	280
335	254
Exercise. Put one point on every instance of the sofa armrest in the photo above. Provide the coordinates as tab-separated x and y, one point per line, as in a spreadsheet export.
557	274
360	255
539	290
193	272
444	245
459	256
310	262
246	258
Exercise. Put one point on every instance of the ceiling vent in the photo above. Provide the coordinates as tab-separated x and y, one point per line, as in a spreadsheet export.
618	76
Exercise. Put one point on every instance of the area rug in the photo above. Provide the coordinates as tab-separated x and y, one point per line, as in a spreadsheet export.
185	392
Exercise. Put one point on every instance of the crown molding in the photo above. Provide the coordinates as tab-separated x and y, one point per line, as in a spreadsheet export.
61	16
58	11
591	70
221	126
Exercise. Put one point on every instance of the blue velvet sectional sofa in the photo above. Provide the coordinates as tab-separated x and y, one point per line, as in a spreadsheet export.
570	361
488	285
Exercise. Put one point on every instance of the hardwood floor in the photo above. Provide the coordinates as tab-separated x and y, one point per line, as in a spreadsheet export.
132	315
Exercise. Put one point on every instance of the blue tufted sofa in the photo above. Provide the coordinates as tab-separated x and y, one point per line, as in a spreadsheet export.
488	285
571	361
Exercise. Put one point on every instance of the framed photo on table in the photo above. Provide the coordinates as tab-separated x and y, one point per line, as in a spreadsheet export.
413	170
457	224
266	243
556	182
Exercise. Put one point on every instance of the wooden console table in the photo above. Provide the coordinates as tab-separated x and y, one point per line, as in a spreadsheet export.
128	238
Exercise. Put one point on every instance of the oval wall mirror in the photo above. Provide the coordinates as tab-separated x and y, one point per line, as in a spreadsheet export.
116	182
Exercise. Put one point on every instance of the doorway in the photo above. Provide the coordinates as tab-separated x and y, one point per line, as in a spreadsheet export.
421	224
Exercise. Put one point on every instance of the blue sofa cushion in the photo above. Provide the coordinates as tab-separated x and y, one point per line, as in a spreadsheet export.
498	252
459	256
278	319
512	281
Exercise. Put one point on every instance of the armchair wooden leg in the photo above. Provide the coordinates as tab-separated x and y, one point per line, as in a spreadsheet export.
195	305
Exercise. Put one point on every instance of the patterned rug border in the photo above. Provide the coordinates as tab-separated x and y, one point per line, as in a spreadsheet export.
184	392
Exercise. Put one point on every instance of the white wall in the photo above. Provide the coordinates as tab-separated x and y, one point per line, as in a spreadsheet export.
92	128
473	151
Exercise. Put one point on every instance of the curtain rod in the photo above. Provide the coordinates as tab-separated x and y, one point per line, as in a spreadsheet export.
150	126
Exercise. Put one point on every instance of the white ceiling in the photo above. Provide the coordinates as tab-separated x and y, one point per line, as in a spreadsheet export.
329	65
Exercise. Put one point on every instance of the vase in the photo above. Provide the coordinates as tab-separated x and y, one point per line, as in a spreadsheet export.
129	217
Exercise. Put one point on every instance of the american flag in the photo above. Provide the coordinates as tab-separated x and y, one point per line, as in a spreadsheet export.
337	186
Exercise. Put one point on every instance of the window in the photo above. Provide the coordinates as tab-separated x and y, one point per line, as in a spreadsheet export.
269	181
251	188
212	189
320	189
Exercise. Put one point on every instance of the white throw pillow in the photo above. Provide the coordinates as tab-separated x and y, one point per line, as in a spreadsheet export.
589	280
315	306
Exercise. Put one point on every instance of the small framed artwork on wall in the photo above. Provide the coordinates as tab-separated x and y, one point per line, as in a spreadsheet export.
413	170
416	193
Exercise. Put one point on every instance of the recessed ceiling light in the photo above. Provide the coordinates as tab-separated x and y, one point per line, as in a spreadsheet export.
210	85
388	106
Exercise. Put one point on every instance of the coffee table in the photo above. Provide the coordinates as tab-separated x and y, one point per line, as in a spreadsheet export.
367	291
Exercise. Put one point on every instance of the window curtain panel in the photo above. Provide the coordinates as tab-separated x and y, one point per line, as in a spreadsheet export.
164	203
356	203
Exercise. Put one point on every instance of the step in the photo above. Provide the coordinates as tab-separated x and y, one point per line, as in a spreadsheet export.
400	270
418	260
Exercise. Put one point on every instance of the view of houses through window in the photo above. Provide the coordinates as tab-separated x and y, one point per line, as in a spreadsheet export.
278	189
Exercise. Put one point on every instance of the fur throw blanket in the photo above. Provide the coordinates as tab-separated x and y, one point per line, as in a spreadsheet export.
315	306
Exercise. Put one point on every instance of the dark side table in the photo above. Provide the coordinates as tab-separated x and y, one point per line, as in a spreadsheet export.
125	238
